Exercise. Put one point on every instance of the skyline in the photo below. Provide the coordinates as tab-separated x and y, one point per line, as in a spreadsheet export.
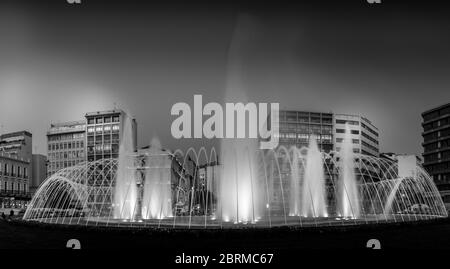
386	64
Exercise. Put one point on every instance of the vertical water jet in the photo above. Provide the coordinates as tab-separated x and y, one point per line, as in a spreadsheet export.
348	189
313	194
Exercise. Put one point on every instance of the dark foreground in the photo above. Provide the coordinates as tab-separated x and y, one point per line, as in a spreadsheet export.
433	234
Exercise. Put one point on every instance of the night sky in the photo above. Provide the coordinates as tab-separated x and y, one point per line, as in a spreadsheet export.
388	63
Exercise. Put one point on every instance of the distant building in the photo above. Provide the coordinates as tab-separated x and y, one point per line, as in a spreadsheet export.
365	136
207	186
66	145
17	144
15	169
394	157
295	128
39	171
104	132
436	147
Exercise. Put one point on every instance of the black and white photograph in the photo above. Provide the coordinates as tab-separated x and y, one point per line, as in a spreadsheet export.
224	132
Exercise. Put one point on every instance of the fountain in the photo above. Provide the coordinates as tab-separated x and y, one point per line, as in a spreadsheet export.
295	201
348	191
243	193
157	197
313	195
125	192
250	188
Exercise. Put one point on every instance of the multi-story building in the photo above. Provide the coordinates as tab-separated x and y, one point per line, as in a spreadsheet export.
39	171
104	131
66	144
15	168
363	133
295	128
17	144
436	147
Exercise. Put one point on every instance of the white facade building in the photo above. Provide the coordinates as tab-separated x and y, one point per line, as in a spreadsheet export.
365	136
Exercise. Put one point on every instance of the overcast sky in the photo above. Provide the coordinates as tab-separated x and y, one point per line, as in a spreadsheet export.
58	62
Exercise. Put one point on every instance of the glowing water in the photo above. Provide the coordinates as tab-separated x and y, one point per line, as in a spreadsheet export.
348	190
239	197
313	195
157	198
295	201
125	192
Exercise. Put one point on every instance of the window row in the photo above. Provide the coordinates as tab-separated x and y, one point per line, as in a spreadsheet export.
105	128
63	146
342	131
56	166
13	170
66	155
350	122
12	186
66	137
100	120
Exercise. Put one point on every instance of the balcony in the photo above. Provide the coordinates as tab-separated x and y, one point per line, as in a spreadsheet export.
15	194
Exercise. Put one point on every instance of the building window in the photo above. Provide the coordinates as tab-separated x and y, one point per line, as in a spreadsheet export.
115	119
340	131
91	121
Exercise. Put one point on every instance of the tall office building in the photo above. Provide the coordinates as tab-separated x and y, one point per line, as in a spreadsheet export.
436	147
363	133
15	169
66	145
297	126
295	129
104	130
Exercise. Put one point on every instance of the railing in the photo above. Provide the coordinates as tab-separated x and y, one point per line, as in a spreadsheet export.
15	193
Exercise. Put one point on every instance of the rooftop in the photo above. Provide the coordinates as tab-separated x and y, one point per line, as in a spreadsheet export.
105	112
436	108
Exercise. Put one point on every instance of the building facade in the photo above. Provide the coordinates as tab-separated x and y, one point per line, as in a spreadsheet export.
17	144
66	145
436	147
295	128
39	171
365	135
15	169
104	131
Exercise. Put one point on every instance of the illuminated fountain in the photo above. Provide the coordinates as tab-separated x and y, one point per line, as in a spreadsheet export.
125	191
313	195
301	187
239	199
248	188
157	197
349	203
